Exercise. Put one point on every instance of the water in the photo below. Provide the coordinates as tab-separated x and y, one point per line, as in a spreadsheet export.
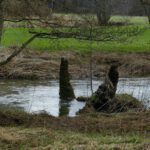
39	96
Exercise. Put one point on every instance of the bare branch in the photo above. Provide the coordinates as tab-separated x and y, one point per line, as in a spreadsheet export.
15	53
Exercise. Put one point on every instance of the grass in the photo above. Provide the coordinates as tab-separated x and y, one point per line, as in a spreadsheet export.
135	20
47	139
20	131
140	43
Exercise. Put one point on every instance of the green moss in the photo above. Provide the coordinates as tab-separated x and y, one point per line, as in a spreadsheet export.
125	102
121	103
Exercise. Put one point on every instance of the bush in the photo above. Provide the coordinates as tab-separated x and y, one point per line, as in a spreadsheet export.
121	103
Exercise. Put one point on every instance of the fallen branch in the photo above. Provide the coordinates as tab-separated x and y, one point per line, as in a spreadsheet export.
15	53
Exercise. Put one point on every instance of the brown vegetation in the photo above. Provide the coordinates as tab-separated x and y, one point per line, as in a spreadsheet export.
44	65
49	139
91	122
92	131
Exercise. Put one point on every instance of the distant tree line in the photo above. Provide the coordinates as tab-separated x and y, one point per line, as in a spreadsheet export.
37	12
20	8
25	8
118	7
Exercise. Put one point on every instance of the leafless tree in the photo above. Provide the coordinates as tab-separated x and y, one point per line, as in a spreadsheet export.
1	19
103	11
23	10
58	28
146	6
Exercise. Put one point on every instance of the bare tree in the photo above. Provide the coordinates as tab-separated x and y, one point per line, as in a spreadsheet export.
103	11
23	10
58	28
146	6
1	19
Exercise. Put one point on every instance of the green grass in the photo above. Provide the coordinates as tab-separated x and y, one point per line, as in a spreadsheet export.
140	43
45	139
135	20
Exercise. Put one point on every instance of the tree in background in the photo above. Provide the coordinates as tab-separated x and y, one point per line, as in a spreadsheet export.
103	11
146	6
23	10
1	19
58	28
146	1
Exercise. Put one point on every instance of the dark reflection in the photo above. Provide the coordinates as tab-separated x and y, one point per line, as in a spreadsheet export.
63	108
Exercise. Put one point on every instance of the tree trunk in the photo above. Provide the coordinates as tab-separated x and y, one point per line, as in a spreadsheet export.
1	20
66	91
146	6
103	11
106	92
147	12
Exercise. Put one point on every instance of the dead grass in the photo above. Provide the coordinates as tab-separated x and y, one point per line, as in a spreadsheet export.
92	122
49	139
38	65
10	135
91	131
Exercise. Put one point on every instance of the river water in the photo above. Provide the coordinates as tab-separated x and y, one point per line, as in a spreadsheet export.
43	96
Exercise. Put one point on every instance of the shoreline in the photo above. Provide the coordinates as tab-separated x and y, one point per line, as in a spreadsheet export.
45	66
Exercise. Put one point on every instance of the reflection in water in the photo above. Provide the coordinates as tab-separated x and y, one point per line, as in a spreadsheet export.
38	96
64	108
75	106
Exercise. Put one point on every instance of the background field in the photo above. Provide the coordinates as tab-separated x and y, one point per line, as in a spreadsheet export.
15	36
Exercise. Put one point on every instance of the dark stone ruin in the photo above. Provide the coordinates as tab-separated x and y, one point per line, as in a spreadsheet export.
66	91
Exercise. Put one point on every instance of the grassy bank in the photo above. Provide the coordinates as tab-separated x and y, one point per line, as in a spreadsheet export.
48	139
15	36
125	131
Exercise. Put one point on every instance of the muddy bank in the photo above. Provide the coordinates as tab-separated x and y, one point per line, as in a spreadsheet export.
93	122
44	65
